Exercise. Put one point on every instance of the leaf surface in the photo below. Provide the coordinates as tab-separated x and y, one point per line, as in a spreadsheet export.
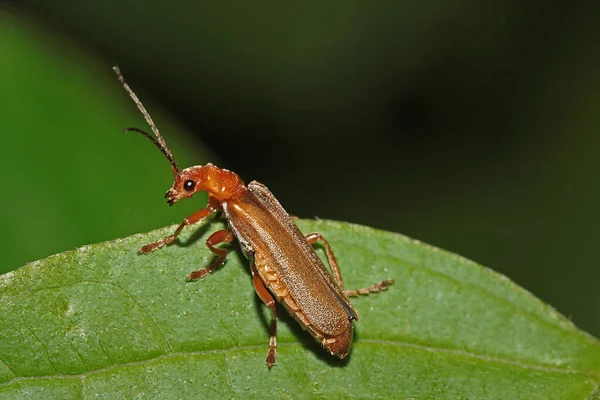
101	321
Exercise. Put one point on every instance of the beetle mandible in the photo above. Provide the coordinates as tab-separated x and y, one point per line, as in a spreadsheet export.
283	262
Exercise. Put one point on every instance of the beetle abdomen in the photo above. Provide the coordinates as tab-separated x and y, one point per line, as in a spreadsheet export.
335	335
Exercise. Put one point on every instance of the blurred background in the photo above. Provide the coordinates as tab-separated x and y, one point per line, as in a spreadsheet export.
469	125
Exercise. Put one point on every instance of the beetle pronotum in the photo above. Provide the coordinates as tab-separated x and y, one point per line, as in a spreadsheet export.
282	259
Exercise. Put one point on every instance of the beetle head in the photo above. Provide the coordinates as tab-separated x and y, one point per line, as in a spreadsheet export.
187	183
220	183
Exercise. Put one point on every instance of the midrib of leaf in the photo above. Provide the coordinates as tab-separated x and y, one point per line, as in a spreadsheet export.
260	347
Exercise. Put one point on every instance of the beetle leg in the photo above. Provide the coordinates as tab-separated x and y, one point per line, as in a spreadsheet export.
266	298
316	236
192	219
378	287
222	236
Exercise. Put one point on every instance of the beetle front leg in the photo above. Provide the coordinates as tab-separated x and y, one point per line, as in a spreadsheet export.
266	298
378	287
192	219
222	236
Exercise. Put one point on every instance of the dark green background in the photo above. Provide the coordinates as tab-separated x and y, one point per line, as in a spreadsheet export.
470	126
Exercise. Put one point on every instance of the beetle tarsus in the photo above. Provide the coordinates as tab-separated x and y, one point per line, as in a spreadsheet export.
149	248
271	357
196	275
378	287
222	236
272	339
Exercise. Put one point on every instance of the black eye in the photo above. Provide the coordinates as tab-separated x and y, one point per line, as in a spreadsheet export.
189	185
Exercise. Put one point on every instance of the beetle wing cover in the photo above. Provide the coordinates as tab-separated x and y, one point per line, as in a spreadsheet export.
284	257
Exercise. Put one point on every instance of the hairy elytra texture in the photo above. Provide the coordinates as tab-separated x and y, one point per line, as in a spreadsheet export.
291	269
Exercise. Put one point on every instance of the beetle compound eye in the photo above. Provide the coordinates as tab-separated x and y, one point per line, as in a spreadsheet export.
189	185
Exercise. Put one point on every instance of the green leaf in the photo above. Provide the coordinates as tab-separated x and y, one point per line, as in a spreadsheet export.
102	321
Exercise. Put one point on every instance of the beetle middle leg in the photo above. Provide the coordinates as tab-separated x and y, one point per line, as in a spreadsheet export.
266	298
222	236
378	287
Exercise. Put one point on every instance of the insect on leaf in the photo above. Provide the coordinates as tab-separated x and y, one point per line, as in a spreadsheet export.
101	321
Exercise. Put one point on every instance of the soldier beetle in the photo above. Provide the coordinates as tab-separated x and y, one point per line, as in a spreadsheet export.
283	262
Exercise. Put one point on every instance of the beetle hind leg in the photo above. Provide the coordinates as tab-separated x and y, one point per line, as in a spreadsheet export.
222	236
311	238
337	275
378	287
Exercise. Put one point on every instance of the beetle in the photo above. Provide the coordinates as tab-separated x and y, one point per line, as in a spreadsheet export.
282	260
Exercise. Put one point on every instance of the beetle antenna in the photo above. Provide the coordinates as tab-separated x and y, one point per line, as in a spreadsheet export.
153	140
159	141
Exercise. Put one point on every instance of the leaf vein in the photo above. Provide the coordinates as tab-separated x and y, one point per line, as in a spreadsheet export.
9	367
156	325
46	351
368	342
595	393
